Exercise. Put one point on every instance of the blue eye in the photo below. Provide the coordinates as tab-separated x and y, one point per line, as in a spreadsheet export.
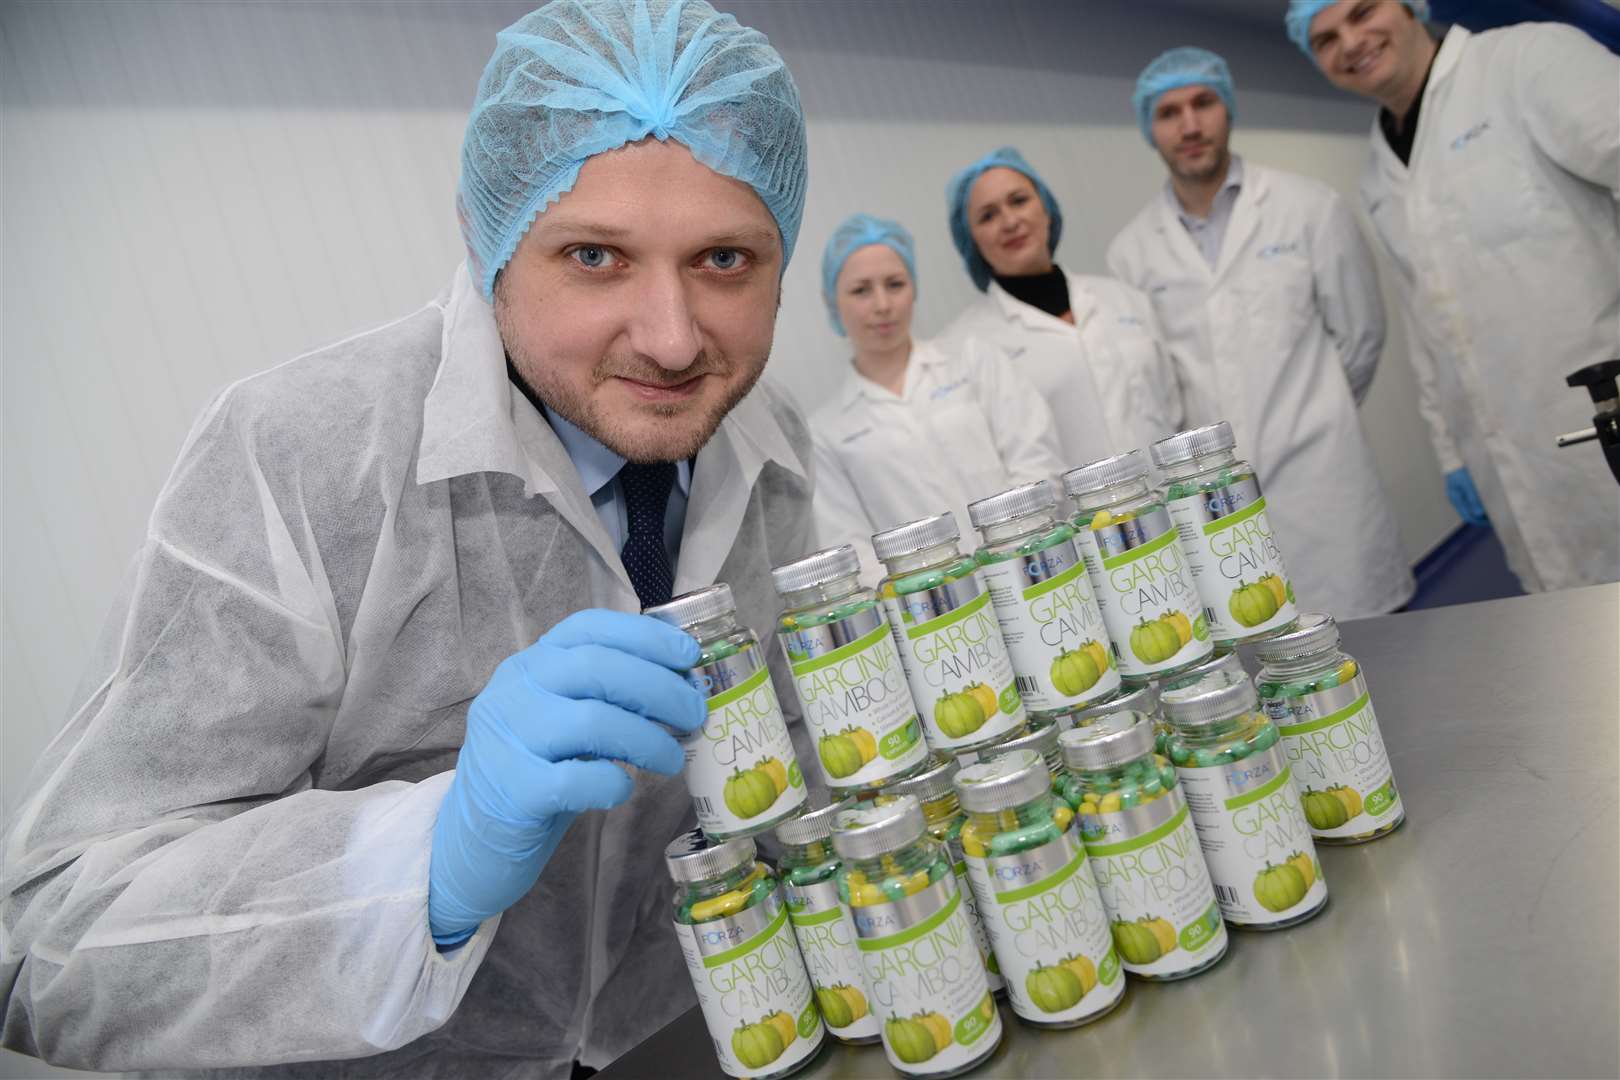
590	256
725	258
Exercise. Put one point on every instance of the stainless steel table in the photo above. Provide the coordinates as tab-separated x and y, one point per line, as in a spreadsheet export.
1481	939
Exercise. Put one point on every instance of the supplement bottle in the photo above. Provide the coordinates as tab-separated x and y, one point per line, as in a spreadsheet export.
740	766
1037	896
1138	571
857	703
921	960
1317	695
1144	851
950	643
751	984
1222	667
1060	649
1226	535
822	924
1244	805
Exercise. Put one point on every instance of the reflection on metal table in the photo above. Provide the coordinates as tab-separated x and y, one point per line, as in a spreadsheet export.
1480	939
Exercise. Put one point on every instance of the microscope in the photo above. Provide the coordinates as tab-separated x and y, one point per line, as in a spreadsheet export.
1599	380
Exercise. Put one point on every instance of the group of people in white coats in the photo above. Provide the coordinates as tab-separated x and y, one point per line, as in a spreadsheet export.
1248	294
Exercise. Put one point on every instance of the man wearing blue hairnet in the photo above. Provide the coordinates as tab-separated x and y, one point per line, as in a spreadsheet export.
1269	298
377	756
1492	182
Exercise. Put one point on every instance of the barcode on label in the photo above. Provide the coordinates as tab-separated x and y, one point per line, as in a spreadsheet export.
1026	685
703	803
1226	894
1209	614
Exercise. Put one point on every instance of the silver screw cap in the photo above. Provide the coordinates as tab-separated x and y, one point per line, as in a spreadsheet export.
1200	706
700	605
869	830
1103	747
812	825
1094	477
692	856
1317	633
1003	782
915	536
1021	501
817	569
1186	445
932	783
1227	667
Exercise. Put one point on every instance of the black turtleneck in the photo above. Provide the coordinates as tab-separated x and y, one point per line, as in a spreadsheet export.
1403	135
1049	291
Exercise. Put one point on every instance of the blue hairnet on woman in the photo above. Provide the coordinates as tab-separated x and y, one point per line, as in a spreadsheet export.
855	232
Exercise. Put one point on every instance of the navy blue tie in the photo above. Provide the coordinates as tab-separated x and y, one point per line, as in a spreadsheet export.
646	497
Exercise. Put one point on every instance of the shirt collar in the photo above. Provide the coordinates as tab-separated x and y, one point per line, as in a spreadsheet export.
856	386
596	463
1233	184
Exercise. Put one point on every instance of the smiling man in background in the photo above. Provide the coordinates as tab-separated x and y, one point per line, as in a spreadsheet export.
1492	182
1269	300
336	782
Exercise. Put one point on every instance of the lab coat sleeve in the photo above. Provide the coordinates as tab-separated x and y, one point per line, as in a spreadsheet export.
1021	423
840	518
1568	91
177	893
1347	294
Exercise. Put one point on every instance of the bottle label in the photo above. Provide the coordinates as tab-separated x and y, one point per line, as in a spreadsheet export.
1255	840
856	701
992	970
753	990
1235	562
928	984
956	662
826	936
740	766
1146	593
1049	930
1155	886
1337	755
1053	628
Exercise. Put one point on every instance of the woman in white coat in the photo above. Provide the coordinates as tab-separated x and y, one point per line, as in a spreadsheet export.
913	428
1090	344
1492	182
1277	330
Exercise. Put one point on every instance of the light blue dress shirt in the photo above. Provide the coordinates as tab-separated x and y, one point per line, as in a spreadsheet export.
599	472
1208	233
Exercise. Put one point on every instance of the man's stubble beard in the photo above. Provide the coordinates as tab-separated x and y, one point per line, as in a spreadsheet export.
1217	170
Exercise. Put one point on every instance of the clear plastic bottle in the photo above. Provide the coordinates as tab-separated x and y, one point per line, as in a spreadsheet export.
1138	570
1244	806
750	980
1061	652
949	640
1028	868
1111	715
822	924
1222	667
1043	740
922	964
740	766
1317	695
1226	534
1144	851
846	669
933	788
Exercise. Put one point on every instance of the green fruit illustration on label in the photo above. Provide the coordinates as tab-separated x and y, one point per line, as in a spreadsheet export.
909	1040
834	1008
840	755
960	714
1155	641
1348	796
985	696
1136	943
1084	970
1076	672
1279	888
938	1027
1280	589
750	792
1252	605
1307	869
1324	810
1054	989
1178	621
757	1045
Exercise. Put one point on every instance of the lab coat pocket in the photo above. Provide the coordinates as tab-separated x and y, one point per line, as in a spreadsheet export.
1281	297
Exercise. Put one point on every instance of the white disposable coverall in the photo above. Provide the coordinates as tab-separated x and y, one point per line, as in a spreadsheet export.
1281	338
1504	227
966	425
223	857
1107	378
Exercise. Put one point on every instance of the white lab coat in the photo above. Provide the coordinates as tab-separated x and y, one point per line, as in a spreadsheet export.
223	857
964	426
1281	338
1504	228
1107	378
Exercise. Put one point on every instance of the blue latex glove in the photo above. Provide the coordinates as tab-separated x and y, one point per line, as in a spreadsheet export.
1464	497
542	739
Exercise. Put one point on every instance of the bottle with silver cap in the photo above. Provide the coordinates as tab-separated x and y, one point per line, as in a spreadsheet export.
928	984
846	668
1043	740
1220	669
1061	653
1116	712
1244	806
822	924
1134	558
935	790
1028	868
1226	534
1144	851
740	766
1317	695
949	640
740	951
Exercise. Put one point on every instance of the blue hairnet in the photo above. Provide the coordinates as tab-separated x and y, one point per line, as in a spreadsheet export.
580	77
856	232
1174	69
1301	12
956	195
